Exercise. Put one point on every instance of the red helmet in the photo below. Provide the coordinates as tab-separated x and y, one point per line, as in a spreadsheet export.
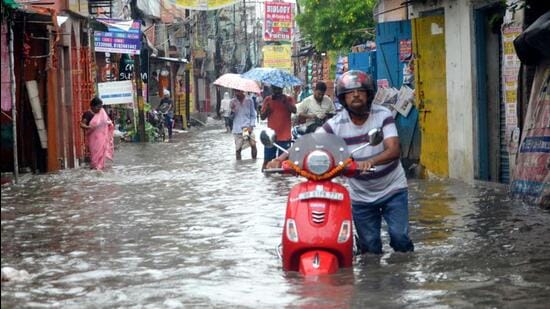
353	80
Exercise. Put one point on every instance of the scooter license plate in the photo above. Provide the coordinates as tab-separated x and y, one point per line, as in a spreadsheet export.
336	196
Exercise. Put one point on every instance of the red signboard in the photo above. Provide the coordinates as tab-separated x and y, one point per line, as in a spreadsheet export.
278	21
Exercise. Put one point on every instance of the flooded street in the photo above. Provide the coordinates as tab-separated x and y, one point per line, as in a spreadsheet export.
182	224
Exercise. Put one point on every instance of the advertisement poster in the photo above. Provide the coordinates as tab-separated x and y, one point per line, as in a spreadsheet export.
510	70
116	39
278	56
405	50
278	21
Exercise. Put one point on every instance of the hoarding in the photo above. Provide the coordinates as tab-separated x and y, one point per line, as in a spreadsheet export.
278	21
278	56
122	37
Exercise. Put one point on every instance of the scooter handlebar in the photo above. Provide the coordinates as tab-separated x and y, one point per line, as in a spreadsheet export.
278	170
351	170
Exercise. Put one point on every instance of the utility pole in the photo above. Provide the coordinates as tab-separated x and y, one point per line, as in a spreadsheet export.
234	56
247	50
139	89
245	24
137	76
187	77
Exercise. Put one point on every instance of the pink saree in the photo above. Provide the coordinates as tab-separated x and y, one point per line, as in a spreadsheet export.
100	140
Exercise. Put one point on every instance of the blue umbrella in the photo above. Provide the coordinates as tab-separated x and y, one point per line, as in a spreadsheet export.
275	77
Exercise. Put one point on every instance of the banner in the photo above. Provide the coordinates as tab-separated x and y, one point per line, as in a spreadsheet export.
119	92
121	37
278	56
204	5
278	21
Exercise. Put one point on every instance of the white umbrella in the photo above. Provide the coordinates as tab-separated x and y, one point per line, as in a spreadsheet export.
236	81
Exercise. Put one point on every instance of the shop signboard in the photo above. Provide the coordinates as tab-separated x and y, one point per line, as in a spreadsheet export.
122	37
118	92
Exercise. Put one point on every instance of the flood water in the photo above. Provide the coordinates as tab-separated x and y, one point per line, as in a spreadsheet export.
182	224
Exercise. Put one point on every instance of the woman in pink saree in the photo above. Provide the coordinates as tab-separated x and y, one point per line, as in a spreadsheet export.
99	133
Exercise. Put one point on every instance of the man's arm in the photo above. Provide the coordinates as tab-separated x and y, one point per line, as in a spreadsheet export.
264	113
391	152
276	163
302	112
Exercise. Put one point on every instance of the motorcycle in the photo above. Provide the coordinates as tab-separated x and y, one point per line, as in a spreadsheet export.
317	234
157	118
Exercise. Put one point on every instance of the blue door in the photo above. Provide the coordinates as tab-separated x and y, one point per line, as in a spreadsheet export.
364	61
393	54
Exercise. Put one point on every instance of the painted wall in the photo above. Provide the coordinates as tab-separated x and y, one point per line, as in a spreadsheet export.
460	87
390	10
461	81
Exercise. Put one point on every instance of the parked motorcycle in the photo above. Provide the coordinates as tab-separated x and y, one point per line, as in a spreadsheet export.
317	234
156	118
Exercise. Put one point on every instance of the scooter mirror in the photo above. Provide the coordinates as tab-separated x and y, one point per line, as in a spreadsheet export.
267	137
376	136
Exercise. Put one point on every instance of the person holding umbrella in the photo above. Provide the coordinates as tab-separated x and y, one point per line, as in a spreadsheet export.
243	123
277	108
242	107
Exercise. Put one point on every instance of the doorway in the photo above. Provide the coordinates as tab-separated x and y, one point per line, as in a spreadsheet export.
492	156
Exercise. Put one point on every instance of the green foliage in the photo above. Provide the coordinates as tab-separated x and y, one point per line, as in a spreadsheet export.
335	24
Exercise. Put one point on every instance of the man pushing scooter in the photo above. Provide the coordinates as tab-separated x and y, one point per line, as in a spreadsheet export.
374	195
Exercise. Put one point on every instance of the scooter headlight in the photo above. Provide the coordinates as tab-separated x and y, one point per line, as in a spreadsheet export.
318	162
291	230
345	232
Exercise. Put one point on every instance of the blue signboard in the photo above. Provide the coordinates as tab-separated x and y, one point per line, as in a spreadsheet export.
122	37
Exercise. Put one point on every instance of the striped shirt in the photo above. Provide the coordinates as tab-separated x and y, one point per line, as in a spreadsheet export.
388	177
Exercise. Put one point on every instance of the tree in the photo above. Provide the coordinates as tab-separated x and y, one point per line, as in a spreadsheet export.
335	24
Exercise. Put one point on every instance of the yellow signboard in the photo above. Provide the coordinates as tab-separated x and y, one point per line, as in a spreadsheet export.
204	5
278	56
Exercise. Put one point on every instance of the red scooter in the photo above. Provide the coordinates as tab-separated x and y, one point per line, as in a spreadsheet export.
318	231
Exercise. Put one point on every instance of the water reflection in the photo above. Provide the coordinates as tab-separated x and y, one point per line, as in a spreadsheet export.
183	225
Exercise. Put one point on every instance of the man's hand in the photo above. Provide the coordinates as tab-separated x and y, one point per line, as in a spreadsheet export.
365	166
302	118
274	164
264	113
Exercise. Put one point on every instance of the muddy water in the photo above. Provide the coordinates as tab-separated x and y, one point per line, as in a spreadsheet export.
181	224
